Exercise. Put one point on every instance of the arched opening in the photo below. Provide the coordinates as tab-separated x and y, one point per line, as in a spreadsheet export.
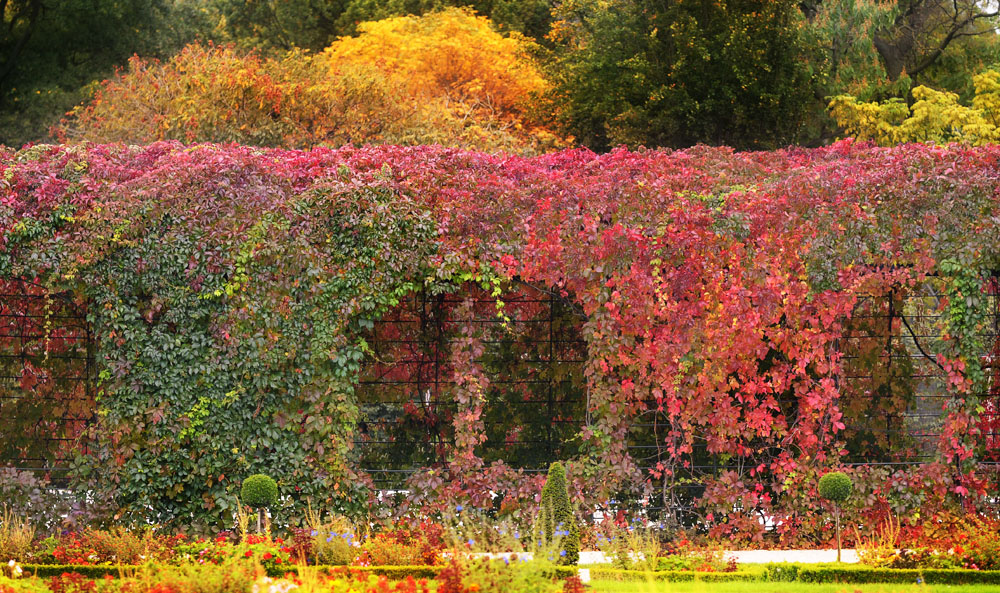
47	377
531	353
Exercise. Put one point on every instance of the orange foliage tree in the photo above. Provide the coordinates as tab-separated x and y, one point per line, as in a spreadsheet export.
473	92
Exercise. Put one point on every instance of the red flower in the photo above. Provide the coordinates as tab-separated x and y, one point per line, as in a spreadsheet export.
248	554
267	555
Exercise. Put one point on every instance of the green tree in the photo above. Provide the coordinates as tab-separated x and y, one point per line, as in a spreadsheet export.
530	17
877	51
657	73
51	51
315	24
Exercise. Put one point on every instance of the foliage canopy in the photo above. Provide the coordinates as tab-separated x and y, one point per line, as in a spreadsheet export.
935	116
835	486
259	491
445	78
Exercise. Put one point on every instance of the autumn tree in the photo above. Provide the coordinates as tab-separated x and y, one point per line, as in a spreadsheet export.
220	94
457	57
935	116
923	30
647	72
446	78
882	50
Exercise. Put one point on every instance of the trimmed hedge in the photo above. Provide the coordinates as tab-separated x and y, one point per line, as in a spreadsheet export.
789	572
94	572
673	576
868	574
810	573
392	572
395	573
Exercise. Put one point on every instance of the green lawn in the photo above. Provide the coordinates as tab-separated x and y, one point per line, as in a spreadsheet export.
763	587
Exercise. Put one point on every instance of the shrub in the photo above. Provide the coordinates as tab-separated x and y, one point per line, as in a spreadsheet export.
835	486
116	545
16	536
864	574
331	542
684	555
72	582
333	548
359	580
451	53
31	499
556	520
950	540
421	544
632	548
677	576
485	575
979	549
22	585
880	548
222	94
234	574
259	491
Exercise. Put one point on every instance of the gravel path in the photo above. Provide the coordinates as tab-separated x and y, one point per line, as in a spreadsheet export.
747	556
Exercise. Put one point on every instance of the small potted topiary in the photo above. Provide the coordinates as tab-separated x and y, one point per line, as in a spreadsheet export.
836	487
259	492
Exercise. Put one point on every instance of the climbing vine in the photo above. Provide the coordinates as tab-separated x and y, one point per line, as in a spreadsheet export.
233	290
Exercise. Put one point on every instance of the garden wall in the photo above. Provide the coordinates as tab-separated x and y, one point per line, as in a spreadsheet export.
701	332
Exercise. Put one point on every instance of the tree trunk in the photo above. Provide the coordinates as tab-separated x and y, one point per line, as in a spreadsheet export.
836	514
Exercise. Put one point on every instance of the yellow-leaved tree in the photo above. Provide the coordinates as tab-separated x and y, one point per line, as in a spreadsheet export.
458	60
935	116
445	78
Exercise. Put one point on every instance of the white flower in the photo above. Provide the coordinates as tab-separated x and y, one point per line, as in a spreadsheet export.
269	585
15	569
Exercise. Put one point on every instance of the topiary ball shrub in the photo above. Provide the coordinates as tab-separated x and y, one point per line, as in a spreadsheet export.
259	491
835	486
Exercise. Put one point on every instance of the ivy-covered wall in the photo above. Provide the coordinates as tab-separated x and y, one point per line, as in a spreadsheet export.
232	291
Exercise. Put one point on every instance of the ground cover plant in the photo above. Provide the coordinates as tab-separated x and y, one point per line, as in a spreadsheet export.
429	556
118	560
230	290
